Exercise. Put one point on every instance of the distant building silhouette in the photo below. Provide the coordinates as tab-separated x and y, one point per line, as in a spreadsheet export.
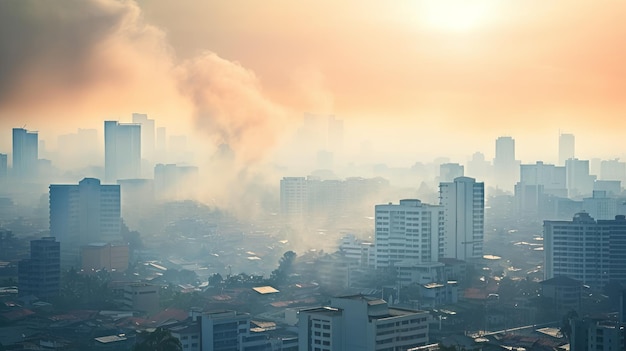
579	181
505	165
567	147
463	204
613	170
4	167
82	214
171	181
25	153
147	135
122	151
40	275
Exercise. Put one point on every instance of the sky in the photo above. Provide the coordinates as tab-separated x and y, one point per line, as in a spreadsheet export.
418	79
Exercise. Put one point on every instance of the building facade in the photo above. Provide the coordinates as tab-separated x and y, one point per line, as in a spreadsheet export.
25	153
587	250
567	147
122	151
361	323
463	203
40	275
82	214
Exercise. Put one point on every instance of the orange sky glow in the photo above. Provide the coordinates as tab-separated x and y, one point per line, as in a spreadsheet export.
440	77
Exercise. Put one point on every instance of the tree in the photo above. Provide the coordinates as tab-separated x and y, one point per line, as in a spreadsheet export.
285	267
566	327
215	279
159	340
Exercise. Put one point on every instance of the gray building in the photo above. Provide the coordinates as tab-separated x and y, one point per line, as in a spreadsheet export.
82	214
122	151
40	275
25	153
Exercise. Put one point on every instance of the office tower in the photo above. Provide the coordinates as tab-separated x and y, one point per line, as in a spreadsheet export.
450	171
584	249
551	178
408	233
613	170
221	330
579	181
147	135
4	168
504	164
41	274
360	323
335	135
25	153
122	151
602	206
463	204
566	147
82	214
294	197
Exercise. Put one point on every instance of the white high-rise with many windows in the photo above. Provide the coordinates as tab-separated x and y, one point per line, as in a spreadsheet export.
463	203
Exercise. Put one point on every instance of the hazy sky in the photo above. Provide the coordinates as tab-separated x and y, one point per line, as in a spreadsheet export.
422	77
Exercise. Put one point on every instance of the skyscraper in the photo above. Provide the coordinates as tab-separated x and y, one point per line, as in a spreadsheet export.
294	197
504	164
463	204
147	135
579	181
41	274
4	168
82	214
25	153
122	151
566	147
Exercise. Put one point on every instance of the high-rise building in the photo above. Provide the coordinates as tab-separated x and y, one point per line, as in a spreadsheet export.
25	153
294	197
80	149
4	168
122	151
221	330
82	214
147	135
613	170
463	204
449	171
505	165
579	181
360	323
41	274
408	233
566	147
170	180
584	249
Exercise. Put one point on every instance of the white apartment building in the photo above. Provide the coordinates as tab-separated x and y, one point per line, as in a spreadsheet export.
587	250
363	324
406	235
293	198
463	203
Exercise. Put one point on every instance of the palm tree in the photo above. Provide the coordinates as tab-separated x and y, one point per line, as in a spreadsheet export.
159	340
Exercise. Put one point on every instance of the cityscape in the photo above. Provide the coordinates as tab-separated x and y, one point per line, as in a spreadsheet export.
425	175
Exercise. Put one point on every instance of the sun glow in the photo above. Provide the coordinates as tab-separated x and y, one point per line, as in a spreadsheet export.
453	15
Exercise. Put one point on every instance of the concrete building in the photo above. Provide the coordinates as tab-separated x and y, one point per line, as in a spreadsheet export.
613	170
148	136
567	147
41	274
122	151
25	153
221	330
579	181
463	203
584	249
590	334
358	250
82	214
450	171
505	165
478	167
408	234
294	197
552	178
361	323
107	256
142	297
4	167
612	187
602	206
